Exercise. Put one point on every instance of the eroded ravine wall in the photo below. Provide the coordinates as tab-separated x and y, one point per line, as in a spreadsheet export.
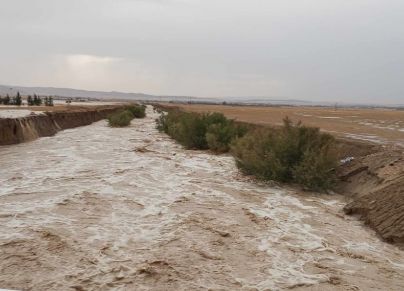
18	130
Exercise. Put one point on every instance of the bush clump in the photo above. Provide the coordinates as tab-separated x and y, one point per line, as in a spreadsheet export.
138	111
294	153
124	117
220	135
120	119
200	131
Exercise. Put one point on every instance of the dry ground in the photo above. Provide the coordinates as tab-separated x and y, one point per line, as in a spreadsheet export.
61	106
376	125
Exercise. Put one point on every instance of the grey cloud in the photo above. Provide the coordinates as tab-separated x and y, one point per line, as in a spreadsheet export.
310	49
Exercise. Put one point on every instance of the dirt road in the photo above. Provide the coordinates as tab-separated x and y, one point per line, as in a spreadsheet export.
99	208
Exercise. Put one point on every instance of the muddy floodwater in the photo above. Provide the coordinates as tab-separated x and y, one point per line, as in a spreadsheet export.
99	208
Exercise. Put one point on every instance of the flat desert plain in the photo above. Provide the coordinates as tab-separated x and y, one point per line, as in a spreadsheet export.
378	125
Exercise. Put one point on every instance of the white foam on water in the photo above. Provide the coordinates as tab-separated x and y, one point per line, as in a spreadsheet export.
92	183
17	113
295	242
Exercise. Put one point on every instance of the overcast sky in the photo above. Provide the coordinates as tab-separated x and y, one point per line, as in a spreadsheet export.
328	50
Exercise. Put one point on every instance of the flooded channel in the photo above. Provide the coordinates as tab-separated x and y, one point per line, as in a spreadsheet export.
100	208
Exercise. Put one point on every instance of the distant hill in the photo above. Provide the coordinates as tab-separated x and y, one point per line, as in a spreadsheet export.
75	93
99	95
121	96
67	92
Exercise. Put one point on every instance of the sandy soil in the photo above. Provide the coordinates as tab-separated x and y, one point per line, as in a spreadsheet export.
96	208
376	125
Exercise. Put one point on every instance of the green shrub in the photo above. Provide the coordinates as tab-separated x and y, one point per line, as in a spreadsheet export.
189	130
162	122
294	153
138	111
316	170
220	135
200	131
120	119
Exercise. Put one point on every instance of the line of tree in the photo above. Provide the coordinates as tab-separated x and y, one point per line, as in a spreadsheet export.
5	100
38	101
16	100
34	100
48	101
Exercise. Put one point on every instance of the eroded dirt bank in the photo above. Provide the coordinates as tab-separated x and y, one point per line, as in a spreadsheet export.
128	209
17	130
376	184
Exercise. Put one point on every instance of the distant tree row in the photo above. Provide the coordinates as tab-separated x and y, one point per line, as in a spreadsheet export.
48	101
16	100
31	100
37	101
34	101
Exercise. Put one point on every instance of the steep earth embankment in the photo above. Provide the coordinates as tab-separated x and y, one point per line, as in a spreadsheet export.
376	184
17	130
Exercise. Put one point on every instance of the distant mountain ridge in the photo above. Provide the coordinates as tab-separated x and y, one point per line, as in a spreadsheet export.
114	95
67	92
122	96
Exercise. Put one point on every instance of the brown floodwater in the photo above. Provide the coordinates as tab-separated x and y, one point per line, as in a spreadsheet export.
100	208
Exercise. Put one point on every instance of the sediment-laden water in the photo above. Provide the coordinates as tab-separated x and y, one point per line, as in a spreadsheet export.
99	208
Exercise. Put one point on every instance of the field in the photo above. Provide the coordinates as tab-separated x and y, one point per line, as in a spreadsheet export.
375	125
7	111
